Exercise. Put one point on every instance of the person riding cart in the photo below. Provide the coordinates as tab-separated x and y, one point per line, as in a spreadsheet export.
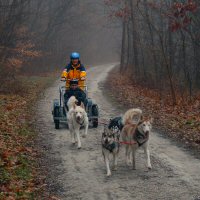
74	70
78	88
74	90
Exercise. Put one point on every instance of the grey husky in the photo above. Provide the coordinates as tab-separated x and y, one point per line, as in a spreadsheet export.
110	146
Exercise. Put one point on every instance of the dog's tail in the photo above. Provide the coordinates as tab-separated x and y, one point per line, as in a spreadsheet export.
72	102
132	116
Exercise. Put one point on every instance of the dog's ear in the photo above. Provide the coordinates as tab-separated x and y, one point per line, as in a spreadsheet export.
82	105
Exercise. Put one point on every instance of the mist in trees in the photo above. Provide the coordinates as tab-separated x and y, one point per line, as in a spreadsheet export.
161	44
38	35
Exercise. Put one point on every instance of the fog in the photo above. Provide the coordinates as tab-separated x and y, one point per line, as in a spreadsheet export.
38	36
91	33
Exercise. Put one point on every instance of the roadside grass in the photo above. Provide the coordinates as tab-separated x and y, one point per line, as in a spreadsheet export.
18	168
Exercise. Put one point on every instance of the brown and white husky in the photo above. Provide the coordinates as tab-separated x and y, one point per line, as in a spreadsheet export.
135	135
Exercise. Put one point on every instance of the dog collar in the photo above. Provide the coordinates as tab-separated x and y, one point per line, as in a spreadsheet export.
80	123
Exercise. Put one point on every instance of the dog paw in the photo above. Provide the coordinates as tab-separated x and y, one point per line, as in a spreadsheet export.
114	168
84	135
73	141
108	174
149	167
129	163
79	147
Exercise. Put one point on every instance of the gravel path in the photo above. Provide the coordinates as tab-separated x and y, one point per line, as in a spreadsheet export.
81	174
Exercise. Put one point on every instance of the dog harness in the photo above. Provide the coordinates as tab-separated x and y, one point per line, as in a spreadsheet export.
114	144
140	138
110	147
80	123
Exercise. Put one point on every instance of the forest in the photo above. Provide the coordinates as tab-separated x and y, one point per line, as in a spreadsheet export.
161	44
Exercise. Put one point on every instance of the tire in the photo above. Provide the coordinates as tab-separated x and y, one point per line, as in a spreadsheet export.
95	113
56	121
95	123
57	124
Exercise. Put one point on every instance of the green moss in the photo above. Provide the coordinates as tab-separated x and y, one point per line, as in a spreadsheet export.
4	176
25	195
23	173
25	131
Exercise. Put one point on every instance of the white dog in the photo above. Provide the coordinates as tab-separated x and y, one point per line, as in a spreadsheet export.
76	118
135	135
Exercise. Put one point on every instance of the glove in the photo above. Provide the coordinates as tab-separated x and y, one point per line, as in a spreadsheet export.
63	79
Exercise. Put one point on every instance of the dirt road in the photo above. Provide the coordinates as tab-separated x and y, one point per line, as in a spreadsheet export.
80	174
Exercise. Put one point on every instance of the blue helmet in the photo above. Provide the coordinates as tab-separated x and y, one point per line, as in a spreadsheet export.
75	55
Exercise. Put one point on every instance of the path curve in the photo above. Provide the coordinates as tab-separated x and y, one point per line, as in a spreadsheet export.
80	174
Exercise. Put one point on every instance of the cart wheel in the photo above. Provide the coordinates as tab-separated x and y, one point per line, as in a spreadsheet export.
95	111
95	123
56	121
57	124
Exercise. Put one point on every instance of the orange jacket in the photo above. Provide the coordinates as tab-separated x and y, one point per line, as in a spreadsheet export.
74	72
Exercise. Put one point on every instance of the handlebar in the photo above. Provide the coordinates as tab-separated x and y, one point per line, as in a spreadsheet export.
64	79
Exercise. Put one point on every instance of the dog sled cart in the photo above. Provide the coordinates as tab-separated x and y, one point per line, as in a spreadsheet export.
59	110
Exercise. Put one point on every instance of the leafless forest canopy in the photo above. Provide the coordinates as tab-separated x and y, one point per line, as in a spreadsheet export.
38	35
161	43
